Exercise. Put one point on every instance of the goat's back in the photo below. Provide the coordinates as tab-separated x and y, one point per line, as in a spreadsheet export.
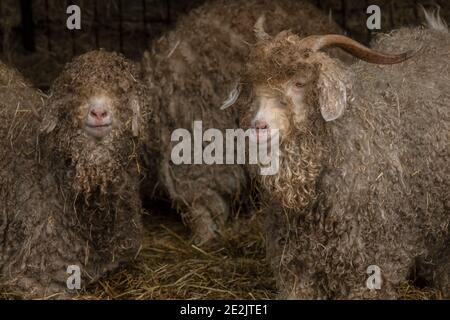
392	151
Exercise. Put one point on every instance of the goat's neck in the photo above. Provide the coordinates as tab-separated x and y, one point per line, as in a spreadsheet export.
302	159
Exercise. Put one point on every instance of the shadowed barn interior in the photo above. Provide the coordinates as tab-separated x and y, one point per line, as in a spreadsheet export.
34	38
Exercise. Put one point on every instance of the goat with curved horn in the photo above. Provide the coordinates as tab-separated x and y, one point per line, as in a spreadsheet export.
336	127
354	48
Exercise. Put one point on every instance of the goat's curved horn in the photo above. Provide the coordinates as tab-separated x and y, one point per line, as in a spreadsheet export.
354	48
260	33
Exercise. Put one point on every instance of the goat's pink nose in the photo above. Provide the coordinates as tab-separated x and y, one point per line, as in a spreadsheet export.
99	113
260	124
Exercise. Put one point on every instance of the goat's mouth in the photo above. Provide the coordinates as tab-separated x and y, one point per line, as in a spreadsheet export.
260	135
263	136
98	130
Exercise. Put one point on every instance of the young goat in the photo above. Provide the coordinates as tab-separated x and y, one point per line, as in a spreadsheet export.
76	201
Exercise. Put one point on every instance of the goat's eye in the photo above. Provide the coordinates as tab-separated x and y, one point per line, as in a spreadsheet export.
299	84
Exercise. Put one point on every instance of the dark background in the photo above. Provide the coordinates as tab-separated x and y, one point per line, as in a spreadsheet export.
34	37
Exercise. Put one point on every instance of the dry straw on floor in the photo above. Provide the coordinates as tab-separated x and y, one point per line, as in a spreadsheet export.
170	267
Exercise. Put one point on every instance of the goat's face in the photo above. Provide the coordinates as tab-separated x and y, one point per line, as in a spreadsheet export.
94	119
292	82
283	104
288	85
102	116
97	116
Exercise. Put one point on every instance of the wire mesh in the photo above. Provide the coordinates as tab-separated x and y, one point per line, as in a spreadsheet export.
38	27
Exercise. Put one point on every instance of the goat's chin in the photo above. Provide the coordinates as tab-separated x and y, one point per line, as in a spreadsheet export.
90	166
98	165
94	171
293	187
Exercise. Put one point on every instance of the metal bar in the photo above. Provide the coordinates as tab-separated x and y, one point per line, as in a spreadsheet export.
368	31
416	13
169	11
144	19
392	18
120	26
1	28
344	14
96	25
27	25
48	31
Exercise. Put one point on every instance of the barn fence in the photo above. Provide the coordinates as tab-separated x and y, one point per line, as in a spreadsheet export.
33	32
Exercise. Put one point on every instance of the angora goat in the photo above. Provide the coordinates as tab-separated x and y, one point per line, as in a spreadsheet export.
363	186
190	71
74	200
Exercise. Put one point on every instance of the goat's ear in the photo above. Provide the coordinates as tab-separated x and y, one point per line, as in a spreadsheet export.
333	83
258	29
232	96
136	108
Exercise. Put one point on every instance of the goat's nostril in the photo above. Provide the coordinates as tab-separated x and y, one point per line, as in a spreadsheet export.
98	114
260	124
